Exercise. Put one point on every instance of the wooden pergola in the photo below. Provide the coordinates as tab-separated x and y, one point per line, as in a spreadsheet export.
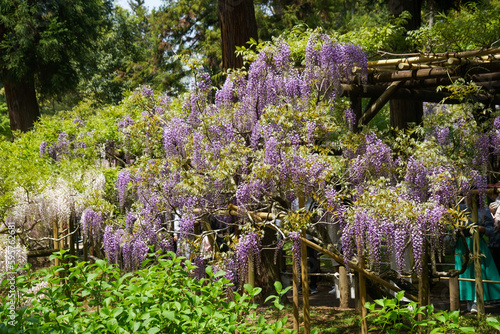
416	77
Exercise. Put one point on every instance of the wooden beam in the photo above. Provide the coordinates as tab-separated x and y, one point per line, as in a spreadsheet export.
478	272
42	252
416	94
379	103
357	268
439	72
434	57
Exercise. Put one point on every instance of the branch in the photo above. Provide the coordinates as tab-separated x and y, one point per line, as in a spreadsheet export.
54	239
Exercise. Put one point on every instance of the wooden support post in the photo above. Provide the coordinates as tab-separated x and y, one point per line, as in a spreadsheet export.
251	271
379	103
478	273
357	301
55	234
295	293
362	297
343	288
71	237
357	108
454	293
305	287
357	268
251	274
423	284
85	250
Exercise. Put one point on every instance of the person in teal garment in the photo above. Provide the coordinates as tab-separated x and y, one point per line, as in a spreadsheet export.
489	270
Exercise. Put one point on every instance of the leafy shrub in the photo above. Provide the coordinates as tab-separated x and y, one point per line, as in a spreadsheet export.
390	316
160	298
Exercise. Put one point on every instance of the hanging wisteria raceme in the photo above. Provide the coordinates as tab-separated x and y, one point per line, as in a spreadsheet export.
263	141
199	272
248	248
129	222
296	247
123	179
92	225
228	265
372	160
199	144
112	240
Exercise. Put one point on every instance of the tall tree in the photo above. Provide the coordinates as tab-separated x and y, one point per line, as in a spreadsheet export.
44	45
238	26
404	112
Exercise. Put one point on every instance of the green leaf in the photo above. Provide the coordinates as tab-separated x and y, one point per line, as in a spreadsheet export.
278	286
169	315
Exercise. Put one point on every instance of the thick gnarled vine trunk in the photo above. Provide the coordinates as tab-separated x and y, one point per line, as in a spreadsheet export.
22	103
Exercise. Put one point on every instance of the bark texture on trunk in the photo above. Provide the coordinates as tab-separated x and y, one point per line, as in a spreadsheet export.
404	112
238	25
414	7
22	103
269	271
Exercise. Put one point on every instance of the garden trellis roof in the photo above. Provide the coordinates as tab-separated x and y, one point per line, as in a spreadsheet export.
417	77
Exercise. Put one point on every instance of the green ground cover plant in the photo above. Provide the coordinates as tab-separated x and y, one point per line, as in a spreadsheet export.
390	315
162	297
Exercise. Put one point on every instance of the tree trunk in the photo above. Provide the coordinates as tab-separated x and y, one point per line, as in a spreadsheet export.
238	25
414	7
269	271
404	111
22	103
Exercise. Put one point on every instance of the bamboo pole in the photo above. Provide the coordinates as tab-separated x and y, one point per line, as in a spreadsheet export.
305	286
473	280
85	250
72	237
305	276
454	293
478	274
395	62
343	288
379	103
423	284
41	252
295	293
55	233
362	298
251	274
251	271
427	73
357	268
435	57
268	216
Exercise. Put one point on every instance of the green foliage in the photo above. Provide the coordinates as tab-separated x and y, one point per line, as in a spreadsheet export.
472	26
162	297
5	132
275	16
52	41
391	316
494	322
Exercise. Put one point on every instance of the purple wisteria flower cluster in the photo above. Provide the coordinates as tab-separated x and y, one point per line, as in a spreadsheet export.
373	159
92	225
248	248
